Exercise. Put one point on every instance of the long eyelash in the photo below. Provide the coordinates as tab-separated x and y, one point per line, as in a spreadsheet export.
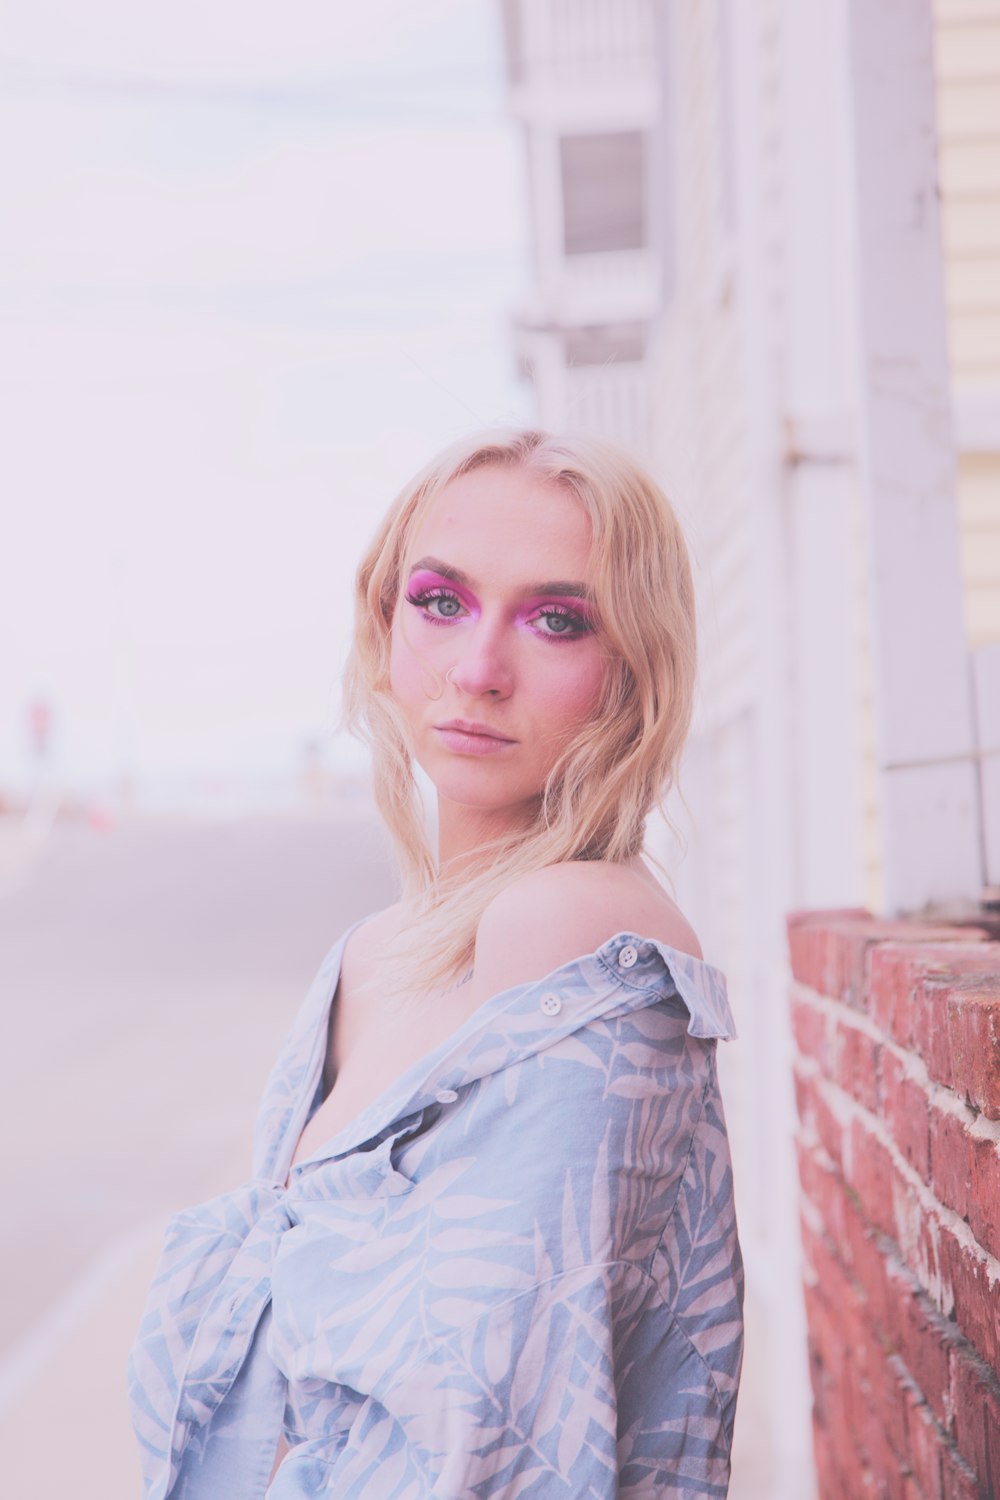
427	594
580	625
426	597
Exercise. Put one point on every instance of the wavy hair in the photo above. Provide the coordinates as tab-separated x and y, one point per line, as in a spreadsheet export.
625	759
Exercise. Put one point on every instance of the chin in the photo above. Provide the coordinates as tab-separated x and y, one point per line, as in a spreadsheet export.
480	788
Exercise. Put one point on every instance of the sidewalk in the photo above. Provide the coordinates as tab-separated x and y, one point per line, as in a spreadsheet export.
64	1428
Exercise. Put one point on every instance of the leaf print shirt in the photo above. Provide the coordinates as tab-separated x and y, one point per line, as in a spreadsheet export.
516	1273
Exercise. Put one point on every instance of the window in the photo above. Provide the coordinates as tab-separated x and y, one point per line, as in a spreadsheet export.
603	188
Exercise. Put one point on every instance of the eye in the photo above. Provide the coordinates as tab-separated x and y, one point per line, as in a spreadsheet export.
437	604
562	622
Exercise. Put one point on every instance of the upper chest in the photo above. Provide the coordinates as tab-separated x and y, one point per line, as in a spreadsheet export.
372	1041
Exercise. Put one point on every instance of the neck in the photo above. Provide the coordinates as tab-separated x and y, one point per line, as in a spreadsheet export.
464	831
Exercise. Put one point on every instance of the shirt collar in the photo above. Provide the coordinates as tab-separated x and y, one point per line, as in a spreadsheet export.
626	973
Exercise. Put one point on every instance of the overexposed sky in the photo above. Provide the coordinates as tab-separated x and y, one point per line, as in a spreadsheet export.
256	267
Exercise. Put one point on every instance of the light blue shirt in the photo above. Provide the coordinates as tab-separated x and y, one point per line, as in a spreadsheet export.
516	1273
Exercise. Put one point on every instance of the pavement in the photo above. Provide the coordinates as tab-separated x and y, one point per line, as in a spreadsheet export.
149	970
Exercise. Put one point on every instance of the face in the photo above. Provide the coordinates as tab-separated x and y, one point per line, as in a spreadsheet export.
496	659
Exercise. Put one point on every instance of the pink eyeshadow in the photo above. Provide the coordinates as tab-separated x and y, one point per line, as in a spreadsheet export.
423	579
578	606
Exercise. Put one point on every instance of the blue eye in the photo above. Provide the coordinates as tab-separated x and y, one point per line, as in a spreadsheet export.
448	605
562	622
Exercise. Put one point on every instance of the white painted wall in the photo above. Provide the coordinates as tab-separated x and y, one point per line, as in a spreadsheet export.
773	429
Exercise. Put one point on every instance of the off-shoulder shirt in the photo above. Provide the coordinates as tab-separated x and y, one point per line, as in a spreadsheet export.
516	1273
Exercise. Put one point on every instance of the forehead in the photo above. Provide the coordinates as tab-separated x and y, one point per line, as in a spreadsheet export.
504	524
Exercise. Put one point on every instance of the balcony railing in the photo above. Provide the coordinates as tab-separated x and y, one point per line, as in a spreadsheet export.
575	42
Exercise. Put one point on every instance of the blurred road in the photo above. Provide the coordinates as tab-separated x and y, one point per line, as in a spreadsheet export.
148	972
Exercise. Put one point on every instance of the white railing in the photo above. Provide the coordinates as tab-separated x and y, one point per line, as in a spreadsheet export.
576	41
613	287
611	401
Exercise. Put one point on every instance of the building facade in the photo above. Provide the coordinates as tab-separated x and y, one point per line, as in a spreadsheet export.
742	276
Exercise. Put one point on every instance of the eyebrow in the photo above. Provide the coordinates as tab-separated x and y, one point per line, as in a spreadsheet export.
555	586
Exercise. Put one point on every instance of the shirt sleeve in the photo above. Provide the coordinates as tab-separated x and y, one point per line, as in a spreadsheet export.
583	1386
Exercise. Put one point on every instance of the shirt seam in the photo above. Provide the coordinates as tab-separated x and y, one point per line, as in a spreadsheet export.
658	991
659	1247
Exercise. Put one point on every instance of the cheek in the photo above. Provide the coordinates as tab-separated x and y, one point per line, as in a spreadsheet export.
572	693
406	675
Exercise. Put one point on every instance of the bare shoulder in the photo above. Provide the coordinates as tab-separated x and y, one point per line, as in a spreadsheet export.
549	917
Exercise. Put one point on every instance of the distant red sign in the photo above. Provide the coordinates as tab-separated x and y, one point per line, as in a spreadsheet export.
39	724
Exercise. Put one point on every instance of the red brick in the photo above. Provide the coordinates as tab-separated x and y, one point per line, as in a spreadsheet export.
809	1027
865	1254
829	1478
898	970
903	1104
924	1339
930	1027
977	1304
854	1063
951	1159
895	1386
829	1129
924	1441
816	1116
805	940
829	951
976	1398
974	1034
888	976
871	1175
984	1193
821	1186
891	979
804	1086
886	1468
837	1287
958	1481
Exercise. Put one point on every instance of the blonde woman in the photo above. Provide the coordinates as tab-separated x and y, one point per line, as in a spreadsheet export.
490	1247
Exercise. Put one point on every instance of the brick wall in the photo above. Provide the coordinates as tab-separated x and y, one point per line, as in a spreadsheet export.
897	1081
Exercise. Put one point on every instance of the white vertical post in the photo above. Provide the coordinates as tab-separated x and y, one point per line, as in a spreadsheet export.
820	479
923	715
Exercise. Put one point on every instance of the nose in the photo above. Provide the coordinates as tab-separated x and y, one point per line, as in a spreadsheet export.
482	667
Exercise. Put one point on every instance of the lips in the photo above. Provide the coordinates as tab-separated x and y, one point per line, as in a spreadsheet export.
468	737
470	726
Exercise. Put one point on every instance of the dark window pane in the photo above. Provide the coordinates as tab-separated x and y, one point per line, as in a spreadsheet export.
603	182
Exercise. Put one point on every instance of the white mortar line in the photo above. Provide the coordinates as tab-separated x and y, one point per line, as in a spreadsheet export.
912	1064
845	1107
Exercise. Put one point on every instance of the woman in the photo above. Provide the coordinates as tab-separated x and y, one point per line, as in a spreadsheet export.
490	1247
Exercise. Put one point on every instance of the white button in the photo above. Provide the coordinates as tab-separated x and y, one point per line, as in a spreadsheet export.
446	1096
628	956
551	1004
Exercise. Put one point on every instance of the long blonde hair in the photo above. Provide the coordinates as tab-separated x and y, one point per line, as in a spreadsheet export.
625	759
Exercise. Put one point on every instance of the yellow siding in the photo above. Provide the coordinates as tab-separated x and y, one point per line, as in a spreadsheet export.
967	64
